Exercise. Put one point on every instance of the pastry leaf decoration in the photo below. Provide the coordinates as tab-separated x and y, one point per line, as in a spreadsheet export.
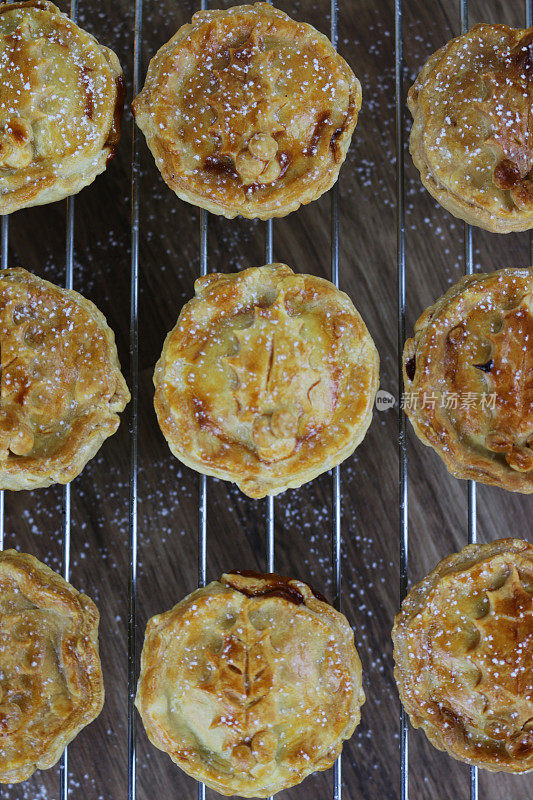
241	679
277	381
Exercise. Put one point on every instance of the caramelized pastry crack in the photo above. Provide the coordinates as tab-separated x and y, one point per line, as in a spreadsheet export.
486	367
278	586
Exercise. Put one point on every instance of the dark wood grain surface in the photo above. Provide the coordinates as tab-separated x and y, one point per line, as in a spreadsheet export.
168	492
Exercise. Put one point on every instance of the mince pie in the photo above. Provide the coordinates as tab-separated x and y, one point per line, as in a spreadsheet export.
50	675
248	112
463	647
250	684
468	375
268	379
61	97
471	138
61	388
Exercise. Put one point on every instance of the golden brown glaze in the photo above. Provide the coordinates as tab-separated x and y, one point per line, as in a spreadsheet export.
61	96
60	386
268	379
463	646
247	690
50	675
468	376
471	137
248	112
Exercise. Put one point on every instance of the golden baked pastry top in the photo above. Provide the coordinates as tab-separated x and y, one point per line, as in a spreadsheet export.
250	684
248	112
468	376
50	675
268	379
463	647
471	137
60	386
61	96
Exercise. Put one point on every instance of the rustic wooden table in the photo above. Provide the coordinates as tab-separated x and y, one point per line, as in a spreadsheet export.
168	492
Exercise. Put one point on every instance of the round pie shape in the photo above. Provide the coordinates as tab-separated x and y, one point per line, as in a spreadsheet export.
250	684
268	379
463	647
468	375
248	112
61	97
471	138
60	385
50	675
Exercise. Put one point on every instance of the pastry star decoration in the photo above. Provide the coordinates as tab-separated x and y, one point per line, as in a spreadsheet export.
246	106
505	653
277	383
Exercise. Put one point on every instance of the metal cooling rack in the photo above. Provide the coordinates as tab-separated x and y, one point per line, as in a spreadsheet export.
202	492
401	269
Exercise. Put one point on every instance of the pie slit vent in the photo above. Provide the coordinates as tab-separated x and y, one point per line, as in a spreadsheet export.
471	135
61	388
250	683
50	674
268	379
468	374
61	101
248	112
463	649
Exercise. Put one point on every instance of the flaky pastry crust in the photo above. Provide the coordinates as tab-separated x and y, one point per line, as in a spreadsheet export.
250	684
471	138
50	675
248	112
61	97
61	388
463	647
468	375
268	379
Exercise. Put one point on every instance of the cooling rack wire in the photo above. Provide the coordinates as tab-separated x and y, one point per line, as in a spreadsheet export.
336	522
